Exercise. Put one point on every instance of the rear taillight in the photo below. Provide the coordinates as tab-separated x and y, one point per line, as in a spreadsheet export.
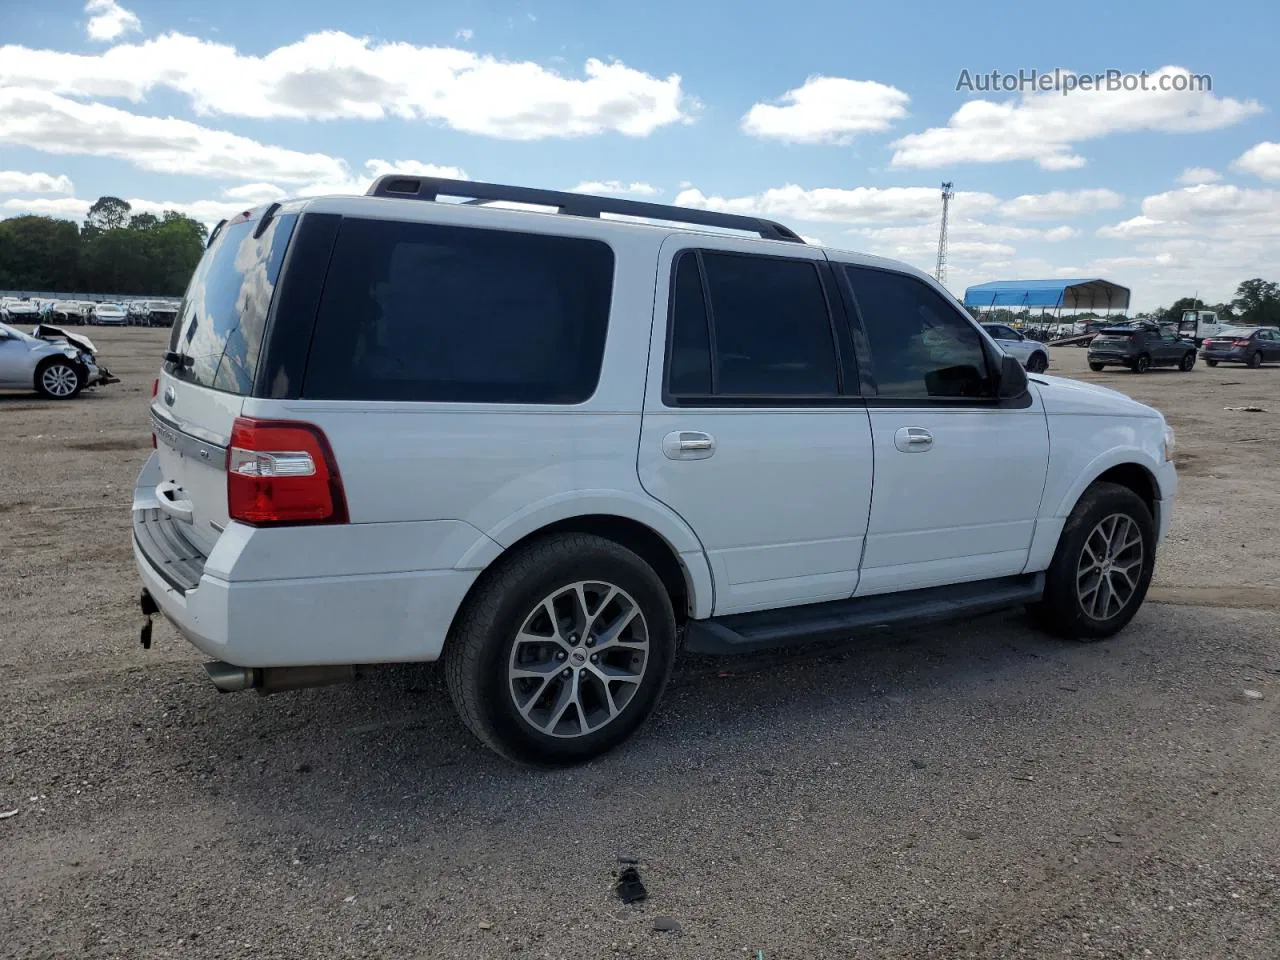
282	472
1240	343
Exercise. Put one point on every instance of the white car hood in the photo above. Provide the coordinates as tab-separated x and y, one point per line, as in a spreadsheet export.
1063	396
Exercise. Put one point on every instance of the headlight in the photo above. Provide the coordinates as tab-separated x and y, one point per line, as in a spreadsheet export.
71	352
1168	442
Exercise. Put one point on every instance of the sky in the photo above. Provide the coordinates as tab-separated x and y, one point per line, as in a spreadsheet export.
840	119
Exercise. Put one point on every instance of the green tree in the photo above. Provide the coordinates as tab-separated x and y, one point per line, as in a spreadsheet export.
143	221
1258	302
108	213
38	253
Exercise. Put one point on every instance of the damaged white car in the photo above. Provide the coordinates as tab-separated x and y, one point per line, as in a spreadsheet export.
50	361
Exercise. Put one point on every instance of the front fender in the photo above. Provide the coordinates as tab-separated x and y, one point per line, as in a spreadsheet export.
611	503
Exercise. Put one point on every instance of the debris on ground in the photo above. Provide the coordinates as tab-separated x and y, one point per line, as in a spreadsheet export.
666	925
630	888
6	814
1248	695
1245	409
486	925
1113	838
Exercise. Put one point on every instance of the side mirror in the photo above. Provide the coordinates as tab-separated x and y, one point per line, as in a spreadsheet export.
1013	380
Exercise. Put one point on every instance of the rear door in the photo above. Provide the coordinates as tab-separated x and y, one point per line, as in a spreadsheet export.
754	429
210	369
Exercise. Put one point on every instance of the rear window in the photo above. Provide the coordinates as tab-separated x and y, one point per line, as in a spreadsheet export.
219	326
424	312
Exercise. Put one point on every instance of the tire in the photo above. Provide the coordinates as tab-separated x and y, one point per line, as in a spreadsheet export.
1211	363
1037	363
1073	614
1096	367
1142	364
1255	359
1188	362
500	630
59	379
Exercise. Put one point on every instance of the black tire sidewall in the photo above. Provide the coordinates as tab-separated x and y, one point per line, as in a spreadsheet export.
1211	363
1255	360
55	362
500	717
1061	605
1141	364
1097	367
1188	362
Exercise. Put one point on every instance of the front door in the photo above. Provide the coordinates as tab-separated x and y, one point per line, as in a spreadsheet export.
753	429
959	474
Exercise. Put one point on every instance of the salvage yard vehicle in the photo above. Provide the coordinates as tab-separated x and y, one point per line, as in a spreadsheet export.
1200	325
53	362
69	312
1140	346
1032	354
604	439
160	313
1249	345
108	314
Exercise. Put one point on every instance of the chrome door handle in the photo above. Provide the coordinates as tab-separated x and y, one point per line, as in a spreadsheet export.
688	445
913	439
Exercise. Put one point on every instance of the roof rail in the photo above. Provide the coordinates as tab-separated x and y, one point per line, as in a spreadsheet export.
574	204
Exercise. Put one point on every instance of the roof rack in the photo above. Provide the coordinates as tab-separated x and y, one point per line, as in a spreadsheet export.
574	204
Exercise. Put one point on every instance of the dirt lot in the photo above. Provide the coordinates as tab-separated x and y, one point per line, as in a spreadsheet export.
966	791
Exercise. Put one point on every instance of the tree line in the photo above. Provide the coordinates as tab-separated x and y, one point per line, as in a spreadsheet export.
115	252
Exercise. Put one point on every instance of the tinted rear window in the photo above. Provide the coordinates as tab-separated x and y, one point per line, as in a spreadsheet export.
424	312
220	323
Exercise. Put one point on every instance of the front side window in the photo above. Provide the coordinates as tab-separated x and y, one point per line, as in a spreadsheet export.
424	312
765	330
921	346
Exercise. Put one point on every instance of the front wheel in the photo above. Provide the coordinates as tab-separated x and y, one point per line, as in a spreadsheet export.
1211	363
1255	360
59	380
1188	362
1038	363
1096	367
1102	567
562	651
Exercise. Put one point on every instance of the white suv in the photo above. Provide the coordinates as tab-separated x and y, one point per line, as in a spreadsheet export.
548	448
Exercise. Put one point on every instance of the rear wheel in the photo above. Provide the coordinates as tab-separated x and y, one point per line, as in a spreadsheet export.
563	650
1188	362
58	379
1096	367
1255	359
1211	363
1102	567
1037	363
1142	364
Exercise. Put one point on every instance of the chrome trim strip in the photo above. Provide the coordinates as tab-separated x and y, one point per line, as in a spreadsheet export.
173	436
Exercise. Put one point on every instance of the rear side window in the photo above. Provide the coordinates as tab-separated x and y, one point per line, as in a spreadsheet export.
424	312
767	332
220	324
921	346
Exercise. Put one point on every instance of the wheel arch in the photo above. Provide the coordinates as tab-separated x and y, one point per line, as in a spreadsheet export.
1127	468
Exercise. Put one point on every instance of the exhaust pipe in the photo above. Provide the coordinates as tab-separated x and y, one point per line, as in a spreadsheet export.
230	679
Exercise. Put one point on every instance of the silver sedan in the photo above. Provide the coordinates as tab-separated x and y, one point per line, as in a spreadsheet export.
1033	354
59	369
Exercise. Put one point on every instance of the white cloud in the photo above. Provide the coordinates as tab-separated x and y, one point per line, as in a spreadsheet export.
827	110
109	20
1058	234
256	193
856	205
1061	203
54	124
1262	160
11	181
414	168
464	34
618	188
966	239
1196	175
335	75
1045	127
46	207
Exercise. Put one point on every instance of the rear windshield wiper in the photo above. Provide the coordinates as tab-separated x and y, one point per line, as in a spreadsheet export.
180	360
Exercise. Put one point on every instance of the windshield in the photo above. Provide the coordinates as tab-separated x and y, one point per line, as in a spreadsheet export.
220	323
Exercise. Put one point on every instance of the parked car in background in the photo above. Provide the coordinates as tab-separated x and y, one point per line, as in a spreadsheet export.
108	315
1249	345
604	439
19	310
1140	346
1030	353
160	313
68	312
56	364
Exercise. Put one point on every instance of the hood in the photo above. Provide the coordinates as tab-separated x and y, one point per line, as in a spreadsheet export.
1062	396
47	331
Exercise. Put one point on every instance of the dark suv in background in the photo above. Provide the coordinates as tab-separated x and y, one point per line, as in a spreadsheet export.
1252	345
1141	346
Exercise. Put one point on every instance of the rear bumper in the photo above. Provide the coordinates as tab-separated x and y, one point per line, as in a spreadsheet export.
1109	357
236	607
1223	355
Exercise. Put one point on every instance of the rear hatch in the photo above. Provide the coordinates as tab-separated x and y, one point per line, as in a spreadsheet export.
209	370
1112	340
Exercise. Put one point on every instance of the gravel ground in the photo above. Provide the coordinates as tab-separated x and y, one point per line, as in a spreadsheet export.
973	790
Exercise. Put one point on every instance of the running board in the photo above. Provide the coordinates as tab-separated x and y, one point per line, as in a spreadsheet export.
836	619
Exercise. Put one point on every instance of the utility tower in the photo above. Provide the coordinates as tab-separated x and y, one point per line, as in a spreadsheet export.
940	271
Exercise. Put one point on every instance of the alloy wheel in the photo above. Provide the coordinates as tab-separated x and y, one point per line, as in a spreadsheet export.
578	659
1110	566
59	380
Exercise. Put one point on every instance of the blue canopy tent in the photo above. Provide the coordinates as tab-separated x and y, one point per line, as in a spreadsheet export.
1055	295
